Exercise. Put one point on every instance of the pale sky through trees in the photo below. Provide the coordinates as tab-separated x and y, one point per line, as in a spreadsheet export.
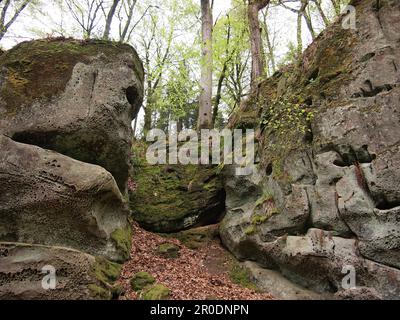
44	22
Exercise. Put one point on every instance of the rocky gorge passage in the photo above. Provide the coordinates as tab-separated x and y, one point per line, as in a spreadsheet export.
201	274
323	196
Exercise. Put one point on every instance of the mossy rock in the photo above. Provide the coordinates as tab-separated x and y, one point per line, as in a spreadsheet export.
141	280
156	292
40	69
240	275
197	237
172	198
80	276
123	241
168	250
250	230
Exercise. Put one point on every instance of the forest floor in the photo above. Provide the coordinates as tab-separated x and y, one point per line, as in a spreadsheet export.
205	273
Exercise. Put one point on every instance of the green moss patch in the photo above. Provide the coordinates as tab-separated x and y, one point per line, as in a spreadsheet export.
197	237
250	230
170	198
105	273
156	292
168	250
242	276
141	280
123	241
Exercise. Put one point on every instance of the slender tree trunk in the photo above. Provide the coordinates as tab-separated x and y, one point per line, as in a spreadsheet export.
179	125
257	64
271	53
147	118
321	12
218	96
299	35
109	20
307	17
222	77
336	6
205	110
124	33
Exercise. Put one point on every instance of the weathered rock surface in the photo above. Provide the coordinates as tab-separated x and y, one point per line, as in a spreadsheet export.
171	198
66	108
78	276
325	193
274	283
50	199
74	97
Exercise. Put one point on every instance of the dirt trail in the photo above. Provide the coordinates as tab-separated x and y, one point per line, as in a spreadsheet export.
196	275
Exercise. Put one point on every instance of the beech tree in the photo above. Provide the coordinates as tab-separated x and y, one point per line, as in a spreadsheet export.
205	108
257	54
109	19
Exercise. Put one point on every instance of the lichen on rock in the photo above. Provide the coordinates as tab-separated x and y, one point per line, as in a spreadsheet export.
66	108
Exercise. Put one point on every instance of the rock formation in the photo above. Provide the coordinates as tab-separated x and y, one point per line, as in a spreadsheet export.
66	108
171	198
76	98
325	195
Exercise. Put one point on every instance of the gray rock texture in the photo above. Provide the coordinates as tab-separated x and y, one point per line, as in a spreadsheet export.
66	108
325	194
47	198
74	97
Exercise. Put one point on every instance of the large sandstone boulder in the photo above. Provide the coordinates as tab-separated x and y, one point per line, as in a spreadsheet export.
66	108
77	275
171	198
74	97
50	199
329	160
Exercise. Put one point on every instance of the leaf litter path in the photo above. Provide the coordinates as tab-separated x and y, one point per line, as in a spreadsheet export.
196	275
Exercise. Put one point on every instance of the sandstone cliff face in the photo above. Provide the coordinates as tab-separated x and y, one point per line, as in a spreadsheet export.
66	108
325	194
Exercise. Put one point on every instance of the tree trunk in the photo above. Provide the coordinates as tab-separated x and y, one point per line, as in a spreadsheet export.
307	17
299	35
336	6
321	12
179	125
218	96
205	109
110	16
222	77
271	53
147	118
124	33
257	64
